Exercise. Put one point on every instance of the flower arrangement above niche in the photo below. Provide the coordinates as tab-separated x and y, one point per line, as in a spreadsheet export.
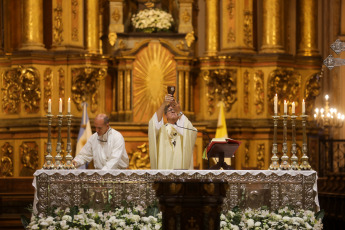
152	20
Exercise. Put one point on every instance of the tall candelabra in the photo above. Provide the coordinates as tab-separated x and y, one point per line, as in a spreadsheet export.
275	165
58	157
48	164
69	158
304	160
285	159
294	158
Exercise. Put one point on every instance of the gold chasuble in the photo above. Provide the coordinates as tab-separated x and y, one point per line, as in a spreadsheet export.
171	147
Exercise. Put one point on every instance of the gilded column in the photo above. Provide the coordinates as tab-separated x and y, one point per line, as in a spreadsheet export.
187	91
92	26
273	26
33	25
307	28
128	95
1	27
212	27
181	87
120	93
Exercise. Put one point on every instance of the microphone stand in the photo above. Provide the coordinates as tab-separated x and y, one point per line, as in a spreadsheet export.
203	132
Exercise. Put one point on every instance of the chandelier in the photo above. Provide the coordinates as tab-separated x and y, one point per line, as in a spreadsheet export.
328	117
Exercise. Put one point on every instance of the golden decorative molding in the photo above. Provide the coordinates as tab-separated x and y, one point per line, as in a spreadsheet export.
48	84
85	82
259	87
231	35
75	21
312	90
154	69
286	84
221	86
6	164
246	154
231	9
190	39
58	24
21	84
28	157
140	159
248	28
112	37
116	15
246	91
260	156
186	16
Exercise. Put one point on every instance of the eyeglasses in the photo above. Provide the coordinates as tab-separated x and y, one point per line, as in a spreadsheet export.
101	139
170	110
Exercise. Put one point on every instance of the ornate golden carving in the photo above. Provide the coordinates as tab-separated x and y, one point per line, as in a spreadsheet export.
58	25
21	84
246	91
248	28
246	154
312	90
6	164
186	16
260	156
153	70
29	157
190	38
61	83
259	91
48	76
231	35
122	44
85	82
75	31
140	159
112	38
231	8
116	15
221	86
286	84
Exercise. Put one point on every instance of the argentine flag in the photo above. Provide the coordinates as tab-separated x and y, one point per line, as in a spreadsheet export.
84	132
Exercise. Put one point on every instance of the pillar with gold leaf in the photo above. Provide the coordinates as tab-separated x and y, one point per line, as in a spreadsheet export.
92	26
212	27
307	28
273	27
33	25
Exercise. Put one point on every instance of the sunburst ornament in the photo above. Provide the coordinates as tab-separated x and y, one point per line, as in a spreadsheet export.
153	70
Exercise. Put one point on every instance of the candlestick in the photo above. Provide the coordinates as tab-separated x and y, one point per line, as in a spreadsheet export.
49	106
58	157
293	108
69	158
69	105
303	107
294	158
60	106
275	165
276	104
285	159
285	107
48	158
305	163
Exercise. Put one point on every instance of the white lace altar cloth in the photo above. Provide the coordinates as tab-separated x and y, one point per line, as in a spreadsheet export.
99	188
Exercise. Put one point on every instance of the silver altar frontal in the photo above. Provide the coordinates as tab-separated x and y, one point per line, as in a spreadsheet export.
99	189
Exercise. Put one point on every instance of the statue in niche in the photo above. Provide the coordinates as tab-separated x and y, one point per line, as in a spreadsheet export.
132	7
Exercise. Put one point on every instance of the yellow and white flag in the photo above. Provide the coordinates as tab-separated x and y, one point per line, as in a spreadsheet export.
222	131
84	132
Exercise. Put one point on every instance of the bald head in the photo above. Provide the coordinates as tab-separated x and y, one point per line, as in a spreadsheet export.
101	123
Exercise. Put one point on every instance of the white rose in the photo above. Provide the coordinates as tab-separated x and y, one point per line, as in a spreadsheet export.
250	223
257	224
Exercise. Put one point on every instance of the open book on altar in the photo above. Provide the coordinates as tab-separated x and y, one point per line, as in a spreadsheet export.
222	147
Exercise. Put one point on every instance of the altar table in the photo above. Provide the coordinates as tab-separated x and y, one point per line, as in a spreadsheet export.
99	188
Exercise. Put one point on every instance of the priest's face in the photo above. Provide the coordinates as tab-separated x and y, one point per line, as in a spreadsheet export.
171	115
101	128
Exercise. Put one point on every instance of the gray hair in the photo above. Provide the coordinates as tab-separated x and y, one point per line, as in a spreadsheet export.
104	117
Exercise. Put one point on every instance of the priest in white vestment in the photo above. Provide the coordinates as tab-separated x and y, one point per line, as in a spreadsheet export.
106	147
171	144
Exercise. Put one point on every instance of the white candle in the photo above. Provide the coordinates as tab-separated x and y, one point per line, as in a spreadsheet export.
60	106
69	105
49	105
293	108
275	104
285	107
303	107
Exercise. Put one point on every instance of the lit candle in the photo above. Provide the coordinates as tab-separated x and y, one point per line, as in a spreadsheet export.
275	104
49	105
293	108
285	107
60	106
303	107
69	105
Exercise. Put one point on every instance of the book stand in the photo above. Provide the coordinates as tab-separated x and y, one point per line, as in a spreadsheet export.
222	148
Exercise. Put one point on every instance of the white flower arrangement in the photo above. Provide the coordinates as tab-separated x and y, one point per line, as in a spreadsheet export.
152	20
138	218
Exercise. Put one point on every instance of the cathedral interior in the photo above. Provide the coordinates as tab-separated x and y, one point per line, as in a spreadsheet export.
239	52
